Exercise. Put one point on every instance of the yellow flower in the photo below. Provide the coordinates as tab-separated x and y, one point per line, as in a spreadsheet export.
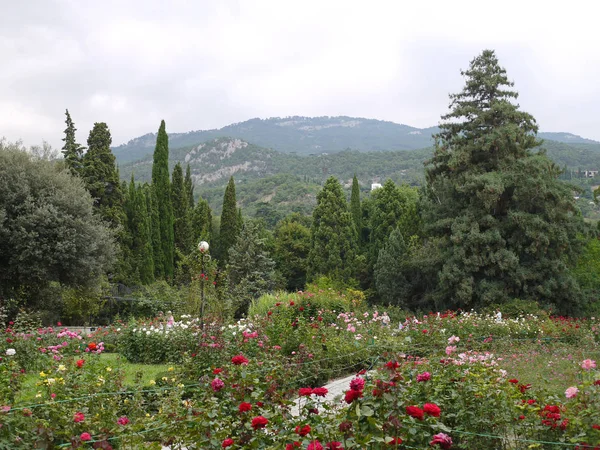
42	374
165	379
62	368
180	385
147	414
172	380
108	369
50	380
152	382
170	369
38	395
101	379
126	401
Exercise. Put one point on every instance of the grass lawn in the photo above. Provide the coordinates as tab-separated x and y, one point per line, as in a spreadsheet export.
146	372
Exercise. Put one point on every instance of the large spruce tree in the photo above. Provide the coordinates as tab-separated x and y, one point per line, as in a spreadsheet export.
334	238
162	187
72	151
230	226
101	176
507	224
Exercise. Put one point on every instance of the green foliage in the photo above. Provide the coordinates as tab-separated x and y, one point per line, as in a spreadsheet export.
82	305
154	226
201	222
230	226
48	232
587	274
292	245
72	151
162	188
334	237
355	205
180	196
139	226
101	176
189	187
251	269
508	225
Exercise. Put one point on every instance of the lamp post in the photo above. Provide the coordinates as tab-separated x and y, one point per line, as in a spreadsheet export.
204	258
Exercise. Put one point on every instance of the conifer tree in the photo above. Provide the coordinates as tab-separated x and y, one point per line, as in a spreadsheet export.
201	222
154	226
101	176
334	237
138	220
230	227
189	187
181	212
355	205
162	188
507	225
72	151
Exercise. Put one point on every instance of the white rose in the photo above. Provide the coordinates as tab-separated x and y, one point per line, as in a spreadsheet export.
10	352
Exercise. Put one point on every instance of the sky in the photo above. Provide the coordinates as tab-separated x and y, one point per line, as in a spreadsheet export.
206	64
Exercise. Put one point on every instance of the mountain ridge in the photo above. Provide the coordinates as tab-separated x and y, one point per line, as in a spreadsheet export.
311	135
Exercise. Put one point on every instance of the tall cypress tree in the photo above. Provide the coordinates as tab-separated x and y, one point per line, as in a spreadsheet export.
201	222
506	224
181	213
154	227
334	238
72	151
101	176
230	228
162	188
138	220
355	205
189	187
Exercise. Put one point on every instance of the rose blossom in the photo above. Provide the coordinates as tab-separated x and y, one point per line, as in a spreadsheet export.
85	437
425	376
217	384
239	360
453	340
78	417
450	349
571	392
352	395
314	445
123	420
443	440
227	442
588	364
357	384
432	409
415	411
303	431
320	391
259	422
244	407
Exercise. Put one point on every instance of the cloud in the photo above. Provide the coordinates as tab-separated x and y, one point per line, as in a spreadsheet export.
204	64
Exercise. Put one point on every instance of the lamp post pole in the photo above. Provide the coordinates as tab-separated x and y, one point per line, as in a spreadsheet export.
204	257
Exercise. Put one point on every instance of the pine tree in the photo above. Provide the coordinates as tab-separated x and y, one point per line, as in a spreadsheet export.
189	187
507	225
230	228
334	238
101	176
162	188
181	212
154	227
72	151
355	205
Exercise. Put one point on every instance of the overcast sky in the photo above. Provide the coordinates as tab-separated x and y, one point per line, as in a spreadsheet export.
206	64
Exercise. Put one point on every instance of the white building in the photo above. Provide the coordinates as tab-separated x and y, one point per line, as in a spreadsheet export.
375	186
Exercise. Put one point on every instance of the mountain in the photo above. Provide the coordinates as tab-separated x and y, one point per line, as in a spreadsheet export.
300	135
311	135
267	177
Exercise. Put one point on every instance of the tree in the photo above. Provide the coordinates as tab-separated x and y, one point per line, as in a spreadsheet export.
138	221
154	226
230	227
333	235
292	244
251	271
507	225
189	187
355	205
101	176
181	212
201	222
72	151
162	188
48	232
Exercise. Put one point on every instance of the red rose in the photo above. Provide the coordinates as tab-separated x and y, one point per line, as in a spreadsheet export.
314	445
301	308
292	446
357	384
415	411
292	303
395	441
596	427
352	395
227	442
239	360
443	440
513	381
392	365
259	404
303	431
335	445
259	422
432	409
597	383
320	391
269	313
244	407
85	437
80	363
305	392
78	417
217	371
